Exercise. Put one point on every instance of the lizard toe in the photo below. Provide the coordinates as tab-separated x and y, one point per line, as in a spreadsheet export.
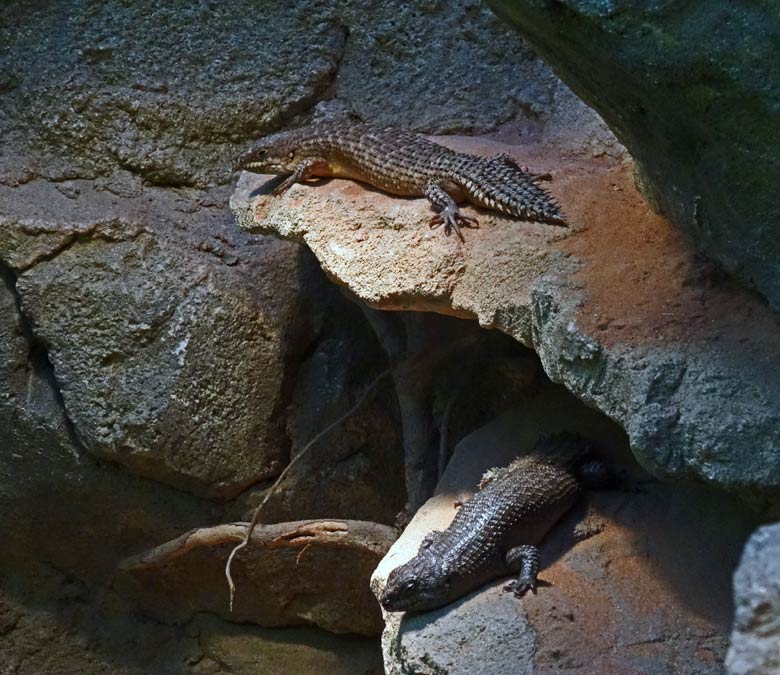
453	226
468	221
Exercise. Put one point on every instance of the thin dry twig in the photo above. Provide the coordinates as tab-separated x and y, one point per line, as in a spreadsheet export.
256	516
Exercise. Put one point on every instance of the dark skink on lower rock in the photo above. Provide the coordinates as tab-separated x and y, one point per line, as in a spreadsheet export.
403	163
495	533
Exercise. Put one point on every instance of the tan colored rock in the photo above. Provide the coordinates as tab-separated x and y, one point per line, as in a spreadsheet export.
381	247
307	572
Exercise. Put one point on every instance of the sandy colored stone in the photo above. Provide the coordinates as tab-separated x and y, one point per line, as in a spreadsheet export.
618	308
313	572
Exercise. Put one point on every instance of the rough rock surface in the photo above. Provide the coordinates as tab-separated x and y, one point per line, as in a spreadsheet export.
169	346
755	640
307	572
345	475
149	352
618	308
64	627
228	648
632	581
58	504
97	316
691	89
173	93
149	366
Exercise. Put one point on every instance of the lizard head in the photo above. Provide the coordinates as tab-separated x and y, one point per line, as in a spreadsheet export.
420	584
278	154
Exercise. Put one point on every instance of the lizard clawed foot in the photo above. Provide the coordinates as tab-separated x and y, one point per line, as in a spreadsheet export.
452	219
521	586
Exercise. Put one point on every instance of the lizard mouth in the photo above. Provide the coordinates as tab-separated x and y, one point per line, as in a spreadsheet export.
262	167
252	160
391	602
390	606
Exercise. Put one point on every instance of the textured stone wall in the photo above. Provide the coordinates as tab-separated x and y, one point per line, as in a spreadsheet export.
692	90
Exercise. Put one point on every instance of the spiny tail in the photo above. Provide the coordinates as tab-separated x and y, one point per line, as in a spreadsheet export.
501	184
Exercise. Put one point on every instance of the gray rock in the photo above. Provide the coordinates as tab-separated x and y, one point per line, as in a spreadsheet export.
693	101
58	504
354	471
142	330
485	632
692	409
173	94
168	93
170	346
64	627
431	65
755	640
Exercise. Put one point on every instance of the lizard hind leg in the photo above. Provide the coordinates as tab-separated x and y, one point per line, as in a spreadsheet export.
525	559
449	214
508	160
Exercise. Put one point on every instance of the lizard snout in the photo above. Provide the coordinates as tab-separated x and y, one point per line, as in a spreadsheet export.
251	156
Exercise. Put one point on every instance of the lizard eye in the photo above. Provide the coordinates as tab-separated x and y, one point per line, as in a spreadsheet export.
292	154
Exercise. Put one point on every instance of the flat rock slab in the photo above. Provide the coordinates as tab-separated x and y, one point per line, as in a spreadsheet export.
632	581
306	572
617	307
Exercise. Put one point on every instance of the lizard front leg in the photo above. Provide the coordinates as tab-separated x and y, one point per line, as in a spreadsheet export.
305	170
449	214
526	559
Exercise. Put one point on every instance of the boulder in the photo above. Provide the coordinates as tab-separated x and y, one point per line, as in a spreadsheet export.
173	94
60	508
306	572
63	627
171	347
691	90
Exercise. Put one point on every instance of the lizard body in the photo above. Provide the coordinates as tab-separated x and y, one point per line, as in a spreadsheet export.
495	533
405	164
